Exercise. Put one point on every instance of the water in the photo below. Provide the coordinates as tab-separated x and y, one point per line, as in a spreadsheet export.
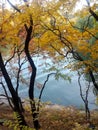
60	92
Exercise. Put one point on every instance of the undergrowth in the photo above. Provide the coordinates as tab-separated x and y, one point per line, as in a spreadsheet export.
68	118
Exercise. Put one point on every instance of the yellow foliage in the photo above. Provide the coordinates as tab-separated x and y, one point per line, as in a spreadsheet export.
52	30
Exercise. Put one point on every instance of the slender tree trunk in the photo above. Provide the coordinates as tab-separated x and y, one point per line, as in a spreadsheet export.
33	75
93	79
16	100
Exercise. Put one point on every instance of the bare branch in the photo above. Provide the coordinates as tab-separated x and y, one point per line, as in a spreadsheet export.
11	56
18	10
6	95
43	89
85	99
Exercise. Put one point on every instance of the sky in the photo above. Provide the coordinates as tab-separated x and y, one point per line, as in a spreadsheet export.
79	4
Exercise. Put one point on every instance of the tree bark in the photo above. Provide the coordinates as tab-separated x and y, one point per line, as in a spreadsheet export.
15	98
32	79
93	80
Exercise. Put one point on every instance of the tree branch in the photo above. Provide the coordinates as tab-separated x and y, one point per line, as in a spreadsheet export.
6	95
43	90
93	14
18	10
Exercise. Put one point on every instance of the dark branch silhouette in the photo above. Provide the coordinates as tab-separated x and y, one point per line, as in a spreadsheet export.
18	10
93	14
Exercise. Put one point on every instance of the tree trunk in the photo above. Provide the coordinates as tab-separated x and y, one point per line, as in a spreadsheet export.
93	80
32	79
16	100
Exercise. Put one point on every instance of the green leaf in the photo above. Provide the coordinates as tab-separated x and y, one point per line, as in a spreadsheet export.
93	39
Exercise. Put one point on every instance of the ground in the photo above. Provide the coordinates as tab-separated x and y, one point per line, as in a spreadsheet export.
53	118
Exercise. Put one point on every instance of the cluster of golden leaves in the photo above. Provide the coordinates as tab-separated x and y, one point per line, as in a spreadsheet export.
51	28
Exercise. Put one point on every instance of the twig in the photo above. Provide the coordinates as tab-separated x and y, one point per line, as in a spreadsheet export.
6	95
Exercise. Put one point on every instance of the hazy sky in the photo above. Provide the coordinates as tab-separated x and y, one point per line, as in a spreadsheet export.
79	4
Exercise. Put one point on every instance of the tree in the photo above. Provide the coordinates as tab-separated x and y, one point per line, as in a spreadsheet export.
76	41
23	26
45	27
65	35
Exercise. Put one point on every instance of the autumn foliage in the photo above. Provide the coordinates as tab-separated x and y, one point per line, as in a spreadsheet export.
52	28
